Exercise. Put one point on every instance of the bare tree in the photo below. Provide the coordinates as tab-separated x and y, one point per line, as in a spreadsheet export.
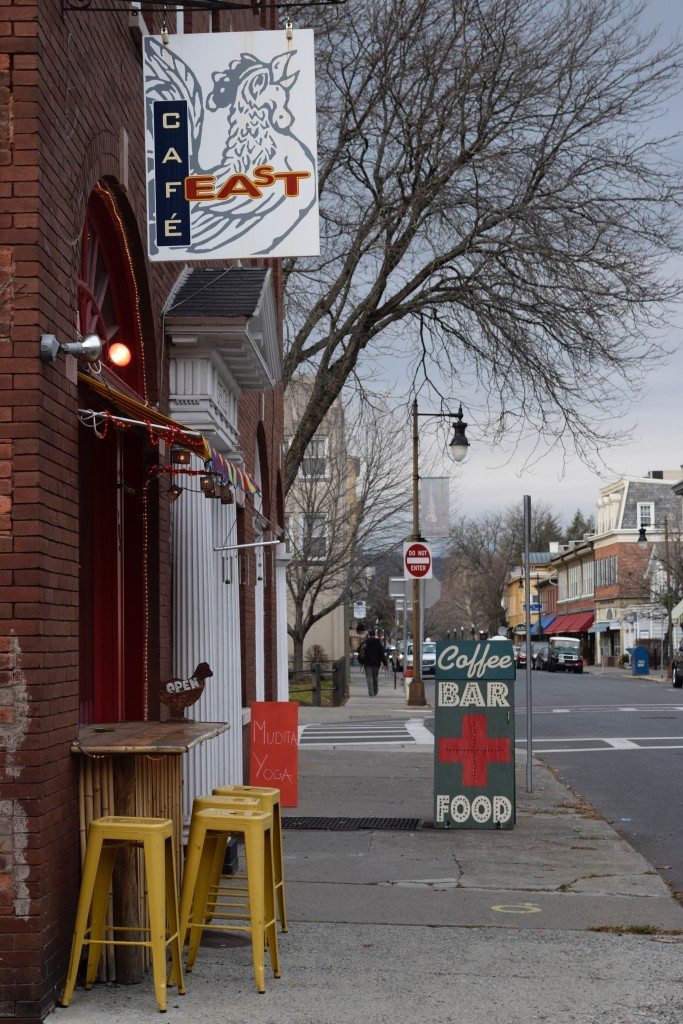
483	550
493	200
342	513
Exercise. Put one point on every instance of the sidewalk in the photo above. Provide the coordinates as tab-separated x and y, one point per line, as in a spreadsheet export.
437	927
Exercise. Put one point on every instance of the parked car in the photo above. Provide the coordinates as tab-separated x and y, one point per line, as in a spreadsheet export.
564	654
539	655
677	667
520	657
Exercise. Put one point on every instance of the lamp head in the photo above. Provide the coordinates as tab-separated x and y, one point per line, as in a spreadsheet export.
459	443
88	348
642	537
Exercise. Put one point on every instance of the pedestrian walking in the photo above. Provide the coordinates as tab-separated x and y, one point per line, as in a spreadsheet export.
371	655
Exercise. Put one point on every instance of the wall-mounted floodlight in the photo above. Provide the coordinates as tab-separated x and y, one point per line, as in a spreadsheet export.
88	348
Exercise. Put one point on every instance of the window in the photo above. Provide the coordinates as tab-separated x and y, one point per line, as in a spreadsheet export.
315	537
314	463
588	578
575	580
562	585
289	526
606	571
646	513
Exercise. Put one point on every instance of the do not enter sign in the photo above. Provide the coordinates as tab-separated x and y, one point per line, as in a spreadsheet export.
417	561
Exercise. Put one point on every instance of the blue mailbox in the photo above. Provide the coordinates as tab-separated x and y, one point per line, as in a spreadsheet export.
641	661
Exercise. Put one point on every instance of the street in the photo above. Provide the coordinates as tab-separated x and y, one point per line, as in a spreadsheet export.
618	742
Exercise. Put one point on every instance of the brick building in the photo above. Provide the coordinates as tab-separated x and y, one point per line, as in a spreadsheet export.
92	582
625	507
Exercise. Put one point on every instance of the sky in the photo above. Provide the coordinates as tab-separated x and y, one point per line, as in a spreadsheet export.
490	478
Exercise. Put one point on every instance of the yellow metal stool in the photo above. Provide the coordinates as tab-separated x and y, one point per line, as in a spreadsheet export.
209	829
105	837
217	891
269	798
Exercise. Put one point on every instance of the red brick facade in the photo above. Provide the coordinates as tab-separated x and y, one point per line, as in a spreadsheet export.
70	116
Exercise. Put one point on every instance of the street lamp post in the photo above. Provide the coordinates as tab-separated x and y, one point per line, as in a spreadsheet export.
458	446
642	541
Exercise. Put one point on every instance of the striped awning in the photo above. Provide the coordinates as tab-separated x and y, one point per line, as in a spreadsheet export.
231	473
146	414
190	439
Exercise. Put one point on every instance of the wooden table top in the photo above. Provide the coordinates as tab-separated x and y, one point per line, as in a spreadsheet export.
172	737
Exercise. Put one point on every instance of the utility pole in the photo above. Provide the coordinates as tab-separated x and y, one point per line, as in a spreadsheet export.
669	621
416	695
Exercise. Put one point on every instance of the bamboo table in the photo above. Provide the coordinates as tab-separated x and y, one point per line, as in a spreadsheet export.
134	768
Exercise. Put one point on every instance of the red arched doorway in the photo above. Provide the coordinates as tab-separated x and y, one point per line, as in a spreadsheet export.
115	507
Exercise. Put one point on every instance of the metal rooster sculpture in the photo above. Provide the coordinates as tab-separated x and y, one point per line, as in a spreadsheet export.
178	694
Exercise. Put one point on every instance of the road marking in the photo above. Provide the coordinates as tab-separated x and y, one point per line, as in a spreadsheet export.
388	733
621	744
629	741
517	908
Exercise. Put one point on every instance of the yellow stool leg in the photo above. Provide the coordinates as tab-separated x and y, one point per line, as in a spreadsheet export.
270	928
278	867
172	916
99	910
193	855
201	895
255	853
92	859
156	905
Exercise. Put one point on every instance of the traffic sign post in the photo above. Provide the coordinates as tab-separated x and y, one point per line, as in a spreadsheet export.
417	560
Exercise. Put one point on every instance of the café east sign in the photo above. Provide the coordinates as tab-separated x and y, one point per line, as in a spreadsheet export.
474	735
230	145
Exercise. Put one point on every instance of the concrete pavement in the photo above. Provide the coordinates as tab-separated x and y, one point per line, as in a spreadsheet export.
556	920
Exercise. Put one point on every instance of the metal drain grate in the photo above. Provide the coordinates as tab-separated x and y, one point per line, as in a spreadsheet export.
353	824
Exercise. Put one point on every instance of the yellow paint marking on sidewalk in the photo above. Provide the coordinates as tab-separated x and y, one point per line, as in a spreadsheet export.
517	908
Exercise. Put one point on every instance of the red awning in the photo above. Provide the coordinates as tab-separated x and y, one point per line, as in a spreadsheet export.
580	622
560	624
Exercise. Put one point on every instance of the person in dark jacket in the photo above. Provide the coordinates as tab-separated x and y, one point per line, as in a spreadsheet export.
373	657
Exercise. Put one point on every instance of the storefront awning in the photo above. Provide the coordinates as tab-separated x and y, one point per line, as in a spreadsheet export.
599	627
145	414
137	412
545	623
580	622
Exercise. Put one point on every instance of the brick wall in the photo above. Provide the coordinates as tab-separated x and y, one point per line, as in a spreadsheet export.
632	560
70	109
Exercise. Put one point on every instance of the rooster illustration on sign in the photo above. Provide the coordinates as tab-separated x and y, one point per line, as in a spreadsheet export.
242	143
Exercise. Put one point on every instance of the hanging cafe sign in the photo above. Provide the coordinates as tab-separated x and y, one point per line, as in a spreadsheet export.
231	145
474	735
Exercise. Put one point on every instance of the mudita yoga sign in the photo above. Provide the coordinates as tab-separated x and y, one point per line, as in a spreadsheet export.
474	748
231	145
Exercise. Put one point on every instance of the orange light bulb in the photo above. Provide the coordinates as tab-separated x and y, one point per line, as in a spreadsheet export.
119	354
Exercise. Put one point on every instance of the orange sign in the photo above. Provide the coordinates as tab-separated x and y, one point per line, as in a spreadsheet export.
274	747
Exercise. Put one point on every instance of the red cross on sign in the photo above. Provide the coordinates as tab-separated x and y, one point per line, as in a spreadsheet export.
475	750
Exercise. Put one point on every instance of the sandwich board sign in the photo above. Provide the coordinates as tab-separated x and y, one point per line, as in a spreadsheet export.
474	735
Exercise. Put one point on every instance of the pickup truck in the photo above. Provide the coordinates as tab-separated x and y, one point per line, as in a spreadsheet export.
677	667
